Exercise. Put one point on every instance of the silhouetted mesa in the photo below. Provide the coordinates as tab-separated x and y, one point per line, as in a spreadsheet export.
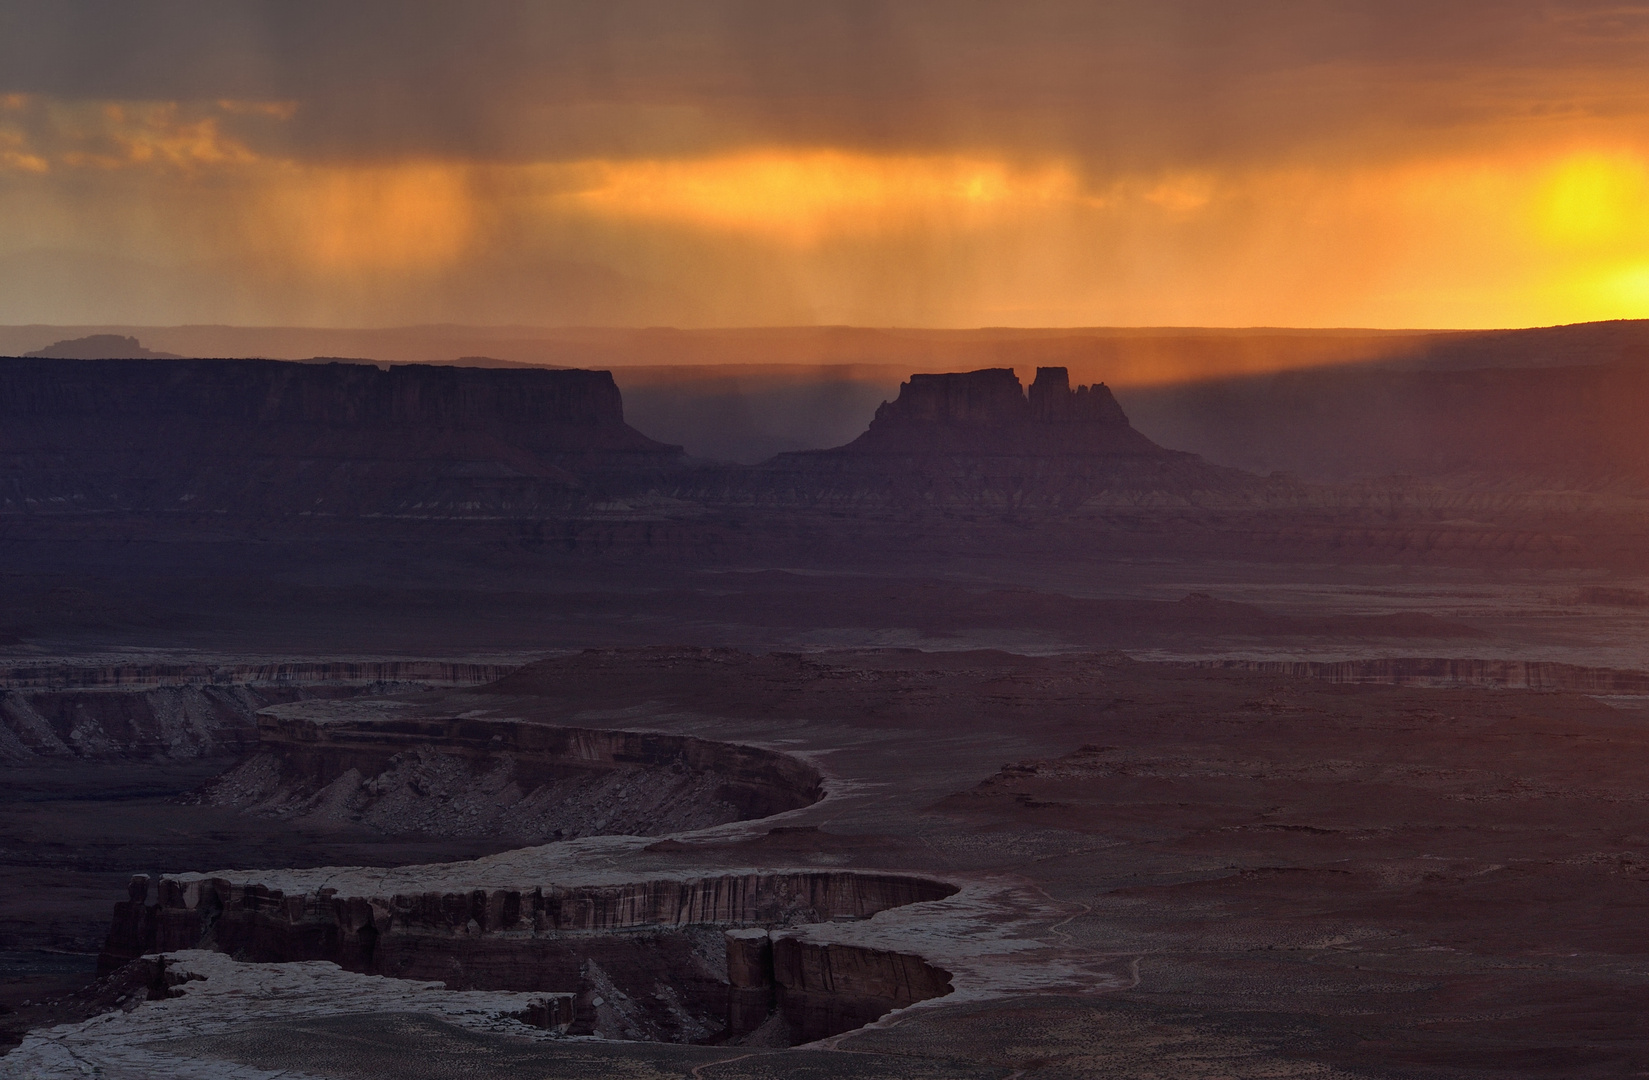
975	440
100	347
241	437
987	412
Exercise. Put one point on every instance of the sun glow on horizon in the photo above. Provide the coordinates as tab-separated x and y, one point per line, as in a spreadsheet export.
1486	236
1599	201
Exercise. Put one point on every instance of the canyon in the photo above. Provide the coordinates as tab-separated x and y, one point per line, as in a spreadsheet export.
1223	872
635	961
369	720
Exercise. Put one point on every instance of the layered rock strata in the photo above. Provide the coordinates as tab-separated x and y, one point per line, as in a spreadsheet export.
977	441
989	412
372	674
194	994
176	712
525	782
258	437
814	990
134	456
636	955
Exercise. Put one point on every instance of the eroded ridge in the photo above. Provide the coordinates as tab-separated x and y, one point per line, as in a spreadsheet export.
679	959
176	712
522	782
688	957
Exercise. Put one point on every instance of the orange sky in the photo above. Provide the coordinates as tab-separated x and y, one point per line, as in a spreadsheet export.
923	164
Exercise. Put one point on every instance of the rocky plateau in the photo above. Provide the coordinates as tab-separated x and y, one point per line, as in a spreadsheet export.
363	721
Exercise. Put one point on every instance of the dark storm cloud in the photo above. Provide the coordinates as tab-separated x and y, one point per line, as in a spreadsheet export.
915	162
1200	80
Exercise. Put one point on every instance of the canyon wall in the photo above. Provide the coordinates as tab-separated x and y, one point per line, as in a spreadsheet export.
646	959
256	437
524	782
822	990
175	712
977	442
562	409
372	674
173	722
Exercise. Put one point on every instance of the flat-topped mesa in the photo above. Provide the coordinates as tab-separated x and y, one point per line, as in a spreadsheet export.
989	397
266	437
975	442
987	412
569	410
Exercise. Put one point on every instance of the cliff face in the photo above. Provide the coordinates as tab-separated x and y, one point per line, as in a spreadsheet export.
976	442
567	410
175	712
257	436
161	460
988	413
365	676
483	778
530	457
642	960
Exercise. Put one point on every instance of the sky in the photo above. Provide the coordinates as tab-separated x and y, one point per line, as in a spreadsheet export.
1391	163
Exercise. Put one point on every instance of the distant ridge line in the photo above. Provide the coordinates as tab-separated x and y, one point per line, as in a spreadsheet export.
1542	675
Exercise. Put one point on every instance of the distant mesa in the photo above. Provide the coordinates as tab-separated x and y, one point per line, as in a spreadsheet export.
100	347
495	362
976	442
313	444
994	396
989	412
266	438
